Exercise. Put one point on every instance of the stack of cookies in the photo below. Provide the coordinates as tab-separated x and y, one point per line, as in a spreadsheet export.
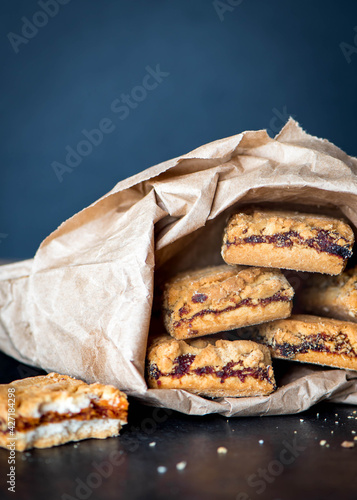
252	290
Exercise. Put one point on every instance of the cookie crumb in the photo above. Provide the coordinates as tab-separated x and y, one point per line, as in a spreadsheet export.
301	419
152	444
161	469
347	444
323	442
222	450
181	465
261	441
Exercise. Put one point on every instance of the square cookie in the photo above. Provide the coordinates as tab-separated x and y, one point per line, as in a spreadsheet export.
223	298
210	367
332	296
287	240
311	339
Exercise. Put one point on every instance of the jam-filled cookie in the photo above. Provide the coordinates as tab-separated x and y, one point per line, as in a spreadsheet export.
45	411
287	240
223	298
332	296
311	339
210	367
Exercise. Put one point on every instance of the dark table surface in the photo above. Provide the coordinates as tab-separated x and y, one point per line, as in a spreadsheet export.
277	457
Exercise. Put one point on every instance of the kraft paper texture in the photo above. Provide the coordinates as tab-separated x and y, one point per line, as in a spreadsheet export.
83	305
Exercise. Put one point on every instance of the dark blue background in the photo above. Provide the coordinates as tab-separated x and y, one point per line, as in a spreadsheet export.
265	59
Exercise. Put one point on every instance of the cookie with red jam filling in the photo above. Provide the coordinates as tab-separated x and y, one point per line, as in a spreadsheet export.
287	240
223	298
311	339
210	367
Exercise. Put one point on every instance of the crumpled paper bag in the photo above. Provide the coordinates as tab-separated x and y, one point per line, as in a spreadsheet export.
83	305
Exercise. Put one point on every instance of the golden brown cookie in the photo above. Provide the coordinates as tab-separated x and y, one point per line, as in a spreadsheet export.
287	240
332	296
222	298
209	367
311	339
54	409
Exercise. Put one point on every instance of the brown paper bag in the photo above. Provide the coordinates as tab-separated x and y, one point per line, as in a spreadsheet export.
83	305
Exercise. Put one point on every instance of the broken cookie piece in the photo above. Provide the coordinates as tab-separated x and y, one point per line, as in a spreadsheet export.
210	367
223	298
54	409
288	240
311	339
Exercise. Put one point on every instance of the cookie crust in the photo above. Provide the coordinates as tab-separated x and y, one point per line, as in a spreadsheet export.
223	298
55	409
210	367
287	240
311	339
